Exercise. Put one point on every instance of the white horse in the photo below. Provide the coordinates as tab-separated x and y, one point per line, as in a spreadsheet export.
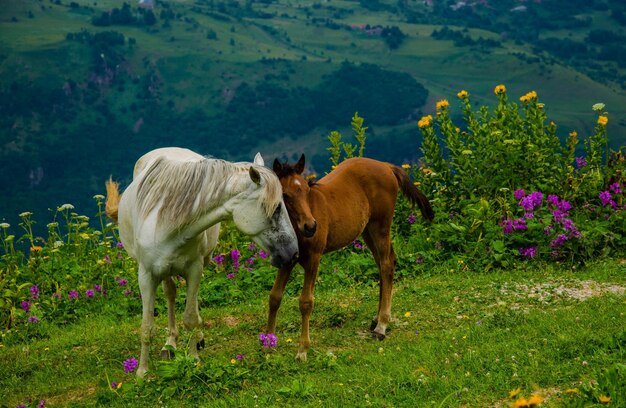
169	223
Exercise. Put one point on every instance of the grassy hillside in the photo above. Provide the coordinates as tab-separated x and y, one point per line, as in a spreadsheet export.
80	109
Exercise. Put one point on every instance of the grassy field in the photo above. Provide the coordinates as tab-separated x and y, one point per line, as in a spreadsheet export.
457	339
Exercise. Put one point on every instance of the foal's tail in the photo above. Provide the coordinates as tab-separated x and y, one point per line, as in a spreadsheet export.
411	192
113	199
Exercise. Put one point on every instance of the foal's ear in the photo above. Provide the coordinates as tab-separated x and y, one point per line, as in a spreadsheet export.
299	167
277	166
255	175
258	159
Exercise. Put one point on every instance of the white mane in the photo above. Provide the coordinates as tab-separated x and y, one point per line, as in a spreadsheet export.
184	189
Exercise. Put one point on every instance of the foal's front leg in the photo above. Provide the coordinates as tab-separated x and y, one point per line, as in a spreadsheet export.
306	304
276	296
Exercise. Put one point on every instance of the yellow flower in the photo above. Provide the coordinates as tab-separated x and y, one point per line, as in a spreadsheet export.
500	89
35	249
442	104
573	134
604	399
407	314
514	393
603	120
417	183
571	391
118	386
233	361
289	340
521	403
406	166
425	122
541	105
534	401
463	94
84	235
426	170
528	97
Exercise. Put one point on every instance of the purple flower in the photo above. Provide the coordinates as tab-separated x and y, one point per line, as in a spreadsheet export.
531	201
357	244
119	245
114	385
97	287
33	319
553	199
507	226
615	188
34	292
234	255
230	275
240	357
528	252
107	259
548	230
519	194
269	340
558	241
127	292
122	282
89	293
419	260
130	365
20	406
564	206
219	259
581	162
41	404
411	219
26	305
73	294
263	254
558	215
520	225
250	261
251	246
605	197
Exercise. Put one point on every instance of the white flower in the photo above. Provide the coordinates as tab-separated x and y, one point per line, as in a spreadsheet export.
98	197
598	107
65	207
26	214
4	225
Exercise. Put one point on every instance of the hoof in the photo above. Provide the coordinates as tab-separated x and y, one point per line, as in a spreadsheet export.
378	336
167	354
200	345
301	356
373	324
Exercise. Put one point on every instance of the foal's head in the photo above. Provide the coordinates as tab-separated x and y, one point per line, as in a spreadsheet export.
295	194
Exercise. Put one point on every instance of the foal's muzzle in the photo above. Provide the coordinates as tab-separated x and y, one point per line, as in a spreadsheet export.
308	231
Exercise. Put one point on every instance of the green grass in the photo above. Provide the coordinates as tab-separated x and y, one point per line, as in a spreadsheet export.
457	339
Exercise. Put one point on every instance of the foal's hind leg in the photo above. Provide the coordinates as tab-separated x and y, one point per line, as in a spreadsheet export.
191	317
378	238
169	288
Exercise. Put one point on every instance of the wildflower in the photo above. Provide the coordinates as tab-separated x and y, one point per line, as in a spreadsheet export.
519	194
33	319
251	246
605	198
25	214
521	403
573	134
122	282
97	287
571	391
507	226
558	241
528	252
357	244
462	94
4	225
34	291
425	122
106	259
65	207
603	120
263	254
500	89
615	188
268	340
604	399
114	385
419	260
406	166
219	259
407	314
41	404
119	245
240	357
598	107
417	183
528	97
234	255
230	275
130	365
442	104
520	225
73	294
26	305
514	393
127	292
534	400
35	249
98	197
89	293
564	206
412	218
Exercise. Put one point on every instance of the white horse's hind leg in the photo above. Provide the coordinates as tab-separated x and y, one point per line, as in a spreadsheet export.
147	286
191	317
169	288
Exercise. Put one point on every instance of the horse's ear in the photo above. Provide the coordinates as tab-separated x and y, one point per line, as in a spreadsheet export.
258	159
299	167
277	167
255	175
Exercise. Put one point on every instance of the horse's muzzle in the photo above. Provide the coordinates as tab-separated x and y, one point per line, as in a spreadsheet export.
309	231
280	260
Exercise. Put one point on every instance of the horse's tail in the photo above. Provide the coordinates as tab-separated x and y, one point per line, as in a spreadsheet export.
113	199
411	192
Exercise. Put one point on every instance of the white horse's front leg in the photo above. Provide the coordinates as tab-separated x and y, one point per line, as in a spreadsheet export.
191	317
169	288
147	287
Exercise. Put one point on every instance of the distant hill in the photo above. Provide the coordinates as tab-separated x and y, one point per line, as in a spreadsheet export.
86	87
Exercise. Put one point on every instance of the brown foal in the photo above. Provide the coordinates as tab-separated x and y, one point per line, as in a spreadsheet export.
357	198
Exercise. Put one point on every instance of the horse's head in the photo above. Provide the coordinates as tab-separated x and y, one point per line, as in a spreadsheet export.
296	195
260	212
